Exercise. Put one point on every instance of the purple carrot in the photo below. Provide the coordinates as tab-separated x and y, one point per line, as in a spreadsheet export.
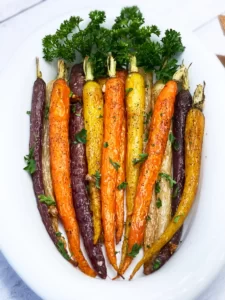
78	181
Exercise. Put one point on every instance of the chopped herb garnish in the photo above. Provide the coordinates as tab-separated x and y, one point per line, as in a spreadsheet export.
122	186
100	116
97	177
87	188
62	250
176	145
73	108
116	252
47	200
168	178
156	264
128	90
176	219
176	191
141	159
106	145
148	218
157	187
135	250
31	163
46	112
146	137
158	203
147	117
148	246
81	137
171	138
58	234
78	115
71	94
114	164
28	112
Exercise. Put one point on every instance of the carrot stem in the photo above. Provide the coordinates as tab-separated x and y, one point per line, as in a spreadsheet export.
88	70
38	72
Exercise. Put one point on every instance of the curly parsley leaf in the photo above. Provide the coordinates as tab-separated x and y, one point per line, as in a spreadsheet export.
172	43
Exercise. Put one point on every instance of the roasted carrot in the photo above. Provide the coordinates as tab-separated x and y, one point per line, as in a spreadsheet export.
135	103
93	121
151	228
46	170
34	158
194	132
182	105
47	178
101	81
113	120
148	79
158	135
121	183
60	169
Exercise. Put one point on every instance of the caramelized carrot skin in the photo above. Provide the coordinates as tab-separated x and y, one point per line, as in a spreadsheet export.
93	118
121	172
159	130
135	105
113	117
120	179
194	133
60	169
158	136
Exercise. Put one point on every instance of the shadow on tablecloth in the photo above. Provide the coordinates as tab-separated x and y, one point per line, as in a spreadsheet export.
12	286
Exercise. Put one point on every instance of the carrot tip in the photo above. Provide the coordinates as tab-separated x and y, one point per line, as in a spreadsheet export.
118	276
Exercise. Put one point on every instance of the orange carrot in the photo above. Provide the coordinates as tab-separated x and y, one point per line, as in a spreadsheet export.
158	136
60	169
121	184
113	119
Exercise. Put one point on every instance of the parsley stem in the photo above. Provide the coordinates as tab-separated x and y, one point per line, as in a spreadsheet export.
133	64
38	72
88	71
111	63
199	97
181	75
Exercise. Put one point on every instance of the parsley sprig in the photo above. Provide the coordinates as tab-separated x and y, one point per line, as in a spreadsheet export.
128	36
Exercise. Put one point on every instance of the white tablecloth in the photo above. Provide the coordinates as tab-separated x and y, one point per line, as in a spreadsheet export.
18	18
